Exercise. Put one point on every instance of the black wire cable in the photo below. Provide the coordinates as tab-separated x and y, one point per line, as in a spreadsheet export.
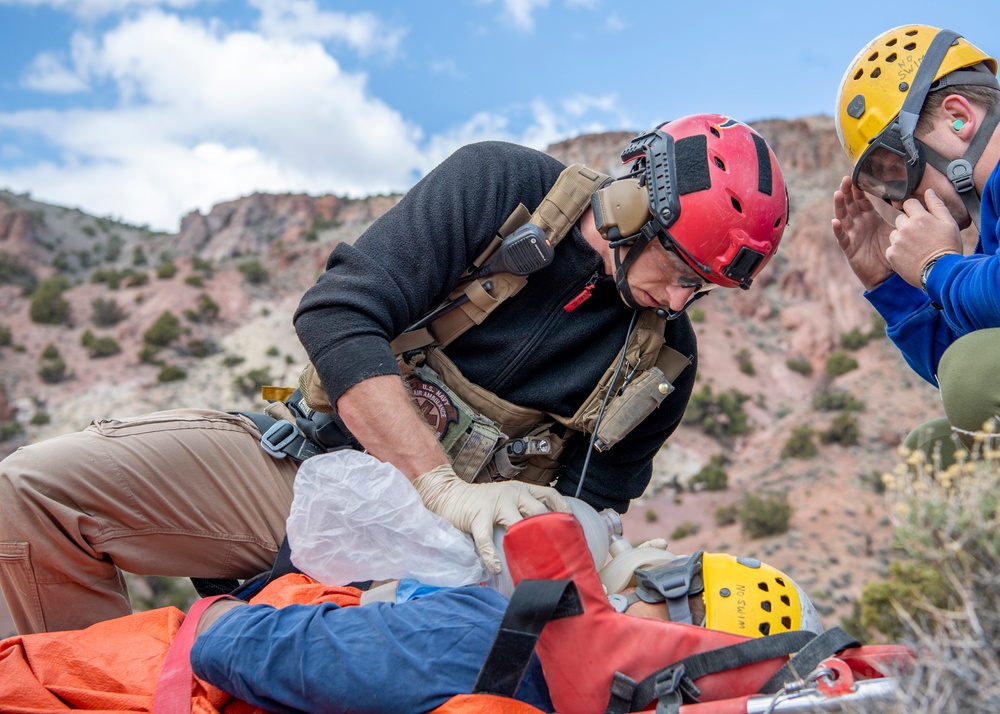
607	396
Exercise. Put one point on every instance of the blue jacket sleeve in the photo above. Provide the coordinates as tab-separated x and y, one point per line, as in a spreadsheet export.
383	657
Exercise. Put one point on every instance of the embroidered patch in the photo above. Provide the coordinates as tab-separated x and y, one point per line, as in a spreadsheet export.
434	405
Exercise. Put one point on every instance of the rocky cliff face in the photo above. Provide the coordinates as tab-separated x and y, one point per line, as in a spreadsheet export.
800	308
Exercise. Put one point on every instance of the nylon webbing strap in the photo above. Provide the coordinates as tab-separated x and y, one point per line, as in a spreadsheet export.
804	661
559	210
173	688
533	604
720	660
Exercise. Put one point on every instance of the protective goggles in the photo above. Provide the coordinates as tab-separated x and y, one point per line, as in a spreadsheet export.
885	169
685	275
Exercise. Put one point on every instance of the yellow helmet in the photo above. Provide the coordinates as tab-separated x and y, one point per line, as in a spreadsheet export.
742	596
883	91
748	597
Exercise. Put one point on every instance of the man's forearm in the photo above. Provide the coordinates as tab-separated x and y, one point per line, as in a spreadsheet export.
382	417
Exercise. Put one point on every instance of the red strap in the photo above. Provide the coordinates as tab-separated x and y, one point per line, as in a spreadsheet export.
173	690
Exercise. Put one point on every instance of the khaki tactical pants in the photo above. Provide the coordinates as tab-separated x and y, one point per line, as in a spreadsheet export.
185	492
970	391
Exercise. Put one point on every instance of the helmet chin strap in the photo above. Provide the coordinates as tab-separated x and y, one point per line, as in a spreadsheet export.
636	244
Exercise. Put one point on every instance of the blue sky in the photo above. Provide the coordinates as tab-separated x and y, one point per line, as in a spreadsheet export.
147	109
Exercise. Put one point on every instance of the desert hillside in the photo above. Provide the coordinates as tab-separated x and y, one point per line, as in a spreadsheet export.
231	279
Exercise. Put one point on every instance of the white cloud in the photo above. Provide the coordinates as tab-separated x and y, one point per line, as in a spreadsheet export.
48	74
205	116
521	13
303	20
200	114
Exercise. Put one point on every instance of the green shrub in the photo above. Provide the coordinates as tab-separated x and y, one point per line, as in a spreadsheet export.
718	414
48	306
206	310
40	418
13	271
765	515
201	348
5	336
697	314
854	340
253	272
99	346
137	280
799	365
249	383
684	529
50	352
745	361
843	430
233	360
52	369
171	373
9	429
712	476
165	271
839	363
800	444
165	330
106	312
727	515
836	400
195	281
273	351
139	256
149	355
202	266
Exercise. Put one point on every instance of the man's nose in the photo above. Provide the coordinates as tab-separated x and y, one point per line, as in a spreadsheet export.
677	296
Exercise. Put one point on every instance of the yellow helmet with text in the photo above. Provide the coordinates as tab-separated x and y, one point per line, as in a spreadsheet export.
882	93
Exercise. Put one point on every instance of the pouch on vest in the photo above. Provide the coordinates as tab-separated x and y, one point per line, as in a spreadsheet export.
469	438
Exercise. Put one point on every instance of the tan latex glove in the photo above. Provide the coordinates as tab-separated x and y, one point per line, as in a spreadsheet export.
476	507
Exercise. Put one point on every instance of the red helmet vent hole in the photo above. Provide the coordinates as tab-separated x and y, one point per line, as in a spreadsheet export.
736	204
719	162
715	132
777	222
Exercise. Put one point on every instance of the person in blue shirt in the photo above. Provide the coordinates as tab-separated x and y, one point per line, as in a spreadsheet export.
917	115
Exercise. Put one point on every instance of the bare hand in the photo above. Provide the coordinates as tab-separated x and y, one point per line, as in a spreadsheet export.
862	234
923	231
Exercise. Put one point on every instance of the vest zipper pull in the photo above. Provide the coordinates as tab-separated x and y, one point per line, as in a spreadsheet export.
583	296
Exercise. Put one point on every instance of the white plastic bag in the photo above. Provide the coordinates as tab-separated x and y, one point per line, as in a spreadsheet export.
356	518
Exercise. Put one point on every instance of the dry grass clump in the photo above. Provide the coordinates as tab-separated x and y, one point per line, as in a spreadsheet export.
942	596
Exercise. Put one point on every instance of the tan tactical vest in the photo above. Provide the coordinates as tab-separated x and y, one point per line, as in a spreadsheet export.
489	438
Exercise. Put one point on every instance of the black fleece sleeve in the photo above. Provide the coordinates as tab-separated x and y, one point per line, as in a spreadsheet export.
407	262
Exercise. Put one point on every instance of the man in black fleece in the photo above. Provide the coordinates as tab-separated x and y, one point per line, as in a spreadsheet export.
190	492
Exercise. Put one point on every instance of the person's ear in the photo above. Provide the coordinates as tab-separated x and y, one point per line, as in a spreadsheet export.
958	112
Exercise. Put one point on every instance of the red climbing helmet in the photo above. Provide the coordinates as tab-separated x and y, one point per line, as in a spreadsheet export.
716	194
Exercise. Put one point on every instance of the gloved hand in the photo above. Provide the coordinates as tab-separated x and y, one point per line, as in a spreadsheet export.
659	543
476	507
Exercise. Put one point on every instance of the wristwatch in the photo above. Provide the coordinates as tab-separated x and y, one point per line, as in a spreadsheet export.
926	272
